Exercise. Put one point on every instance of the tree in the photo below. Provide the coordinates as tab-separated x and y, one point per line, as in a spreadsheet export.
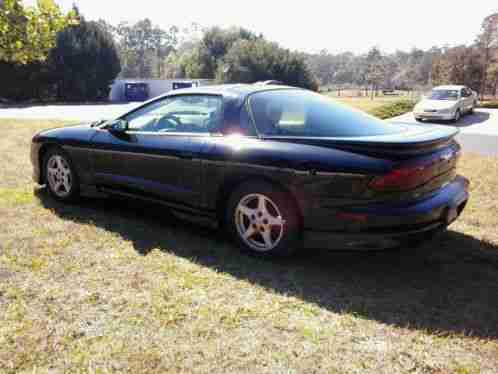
458	65
325	67
27	34
238	55
202	59
249	61
493	78
376	69
144	47
198	63
486	41
84	62
26	81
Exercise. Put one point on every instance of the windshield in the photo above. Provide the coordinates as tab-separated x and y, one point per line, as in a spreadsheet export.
444	95
304	113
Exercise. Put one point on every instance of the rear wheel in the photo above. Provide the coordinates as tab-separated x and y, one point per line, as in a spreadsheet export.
60	175
418	119
263	220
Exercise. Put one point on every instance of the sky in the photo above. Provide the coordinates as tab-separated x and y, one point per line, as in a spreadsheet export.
313	25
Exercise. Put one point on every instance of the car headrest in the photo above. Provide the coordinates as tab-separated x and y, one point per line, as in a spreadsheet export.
274	113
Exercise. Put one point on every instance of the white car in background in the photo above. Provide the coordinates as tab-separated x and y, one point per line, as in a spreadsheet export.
448	103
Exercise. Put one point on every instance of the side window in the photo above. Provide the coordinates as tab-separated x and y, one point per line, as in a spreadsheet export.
185	113
275	117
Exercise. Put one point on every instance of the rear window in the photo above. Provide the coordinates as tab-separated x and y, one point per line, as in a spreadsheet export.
305	113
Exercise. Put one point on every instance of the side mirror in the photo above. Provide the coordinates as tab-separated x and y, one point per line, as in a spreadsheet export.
118	126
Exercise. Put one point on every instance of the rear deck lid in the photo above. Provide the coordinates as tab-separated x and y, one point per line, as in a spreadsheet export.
404	141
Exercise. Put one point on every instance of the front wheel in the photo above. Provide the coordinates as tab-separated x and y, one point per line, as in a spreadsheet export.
60	176
457	117
263	220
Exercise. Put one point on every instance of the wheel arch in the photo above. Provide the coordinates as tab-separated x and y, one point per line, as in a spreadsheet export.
41	158
231	184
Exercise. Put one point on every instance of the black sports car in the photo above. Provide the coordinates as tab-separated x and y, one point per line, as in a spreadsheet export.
278	167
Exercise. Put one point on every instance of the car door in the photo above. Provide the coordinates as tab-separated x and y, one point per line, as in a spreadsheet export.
158	155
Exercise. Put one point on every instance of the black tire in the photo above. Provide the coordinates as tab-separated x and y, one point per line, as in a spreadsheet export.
291	229
419	119
458	115
74	191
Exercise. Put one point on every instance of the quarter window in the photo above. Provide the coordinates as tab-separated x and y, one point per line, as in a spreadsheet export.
289	112
185	114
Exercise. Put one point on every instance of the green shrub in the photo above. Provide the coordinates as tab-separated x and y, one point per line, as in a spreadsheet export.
489	104
394	109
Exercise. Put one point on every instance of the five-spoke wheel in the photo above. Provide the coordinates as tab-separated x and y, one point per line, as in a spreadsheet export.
263	219
259	222
60	177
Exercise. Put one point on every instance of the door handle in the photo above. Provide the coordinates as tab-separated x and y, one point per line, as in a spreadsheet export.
186	155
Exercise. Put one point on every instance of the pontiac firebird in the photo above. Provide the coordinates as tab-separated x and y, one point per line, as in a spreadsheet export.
279	168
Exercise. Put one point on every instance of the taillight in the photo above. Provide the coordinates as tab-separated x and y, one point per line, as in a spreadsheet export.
403	179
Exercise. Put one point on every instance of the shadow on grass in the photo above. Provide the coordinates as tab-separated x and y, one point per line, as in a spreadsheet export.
449	286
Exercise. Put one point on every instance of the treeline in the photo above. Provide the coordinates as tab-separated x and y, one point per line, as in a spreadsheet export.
47	55
401	70
474	65
224	55
238	55
87	56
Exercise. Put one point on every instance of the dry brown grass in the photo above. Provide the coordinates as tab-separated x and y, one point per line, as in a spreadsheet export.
105	286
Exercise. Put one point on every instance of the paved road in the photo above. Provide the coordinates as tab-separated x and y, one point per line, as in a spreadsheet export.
67	112
479	131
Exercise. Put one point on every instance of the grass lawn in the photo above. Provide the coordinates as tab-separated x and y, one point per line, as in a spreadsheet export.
106	286
366	103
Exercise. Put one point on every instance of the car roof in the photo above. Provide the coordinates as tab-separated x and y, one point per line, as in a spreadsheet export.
449	87
233	95
230	90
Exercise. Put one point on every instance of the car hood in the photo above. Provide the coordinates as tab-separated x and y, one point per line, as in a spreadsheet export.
69	134
436	104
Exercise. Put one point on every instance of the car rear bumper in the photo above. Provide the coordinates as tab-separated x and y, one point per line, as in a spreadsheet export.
389	225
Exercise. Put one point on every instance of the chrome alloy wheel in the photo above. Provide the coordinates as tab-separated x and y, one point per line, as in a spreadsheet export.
259	222
59	176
